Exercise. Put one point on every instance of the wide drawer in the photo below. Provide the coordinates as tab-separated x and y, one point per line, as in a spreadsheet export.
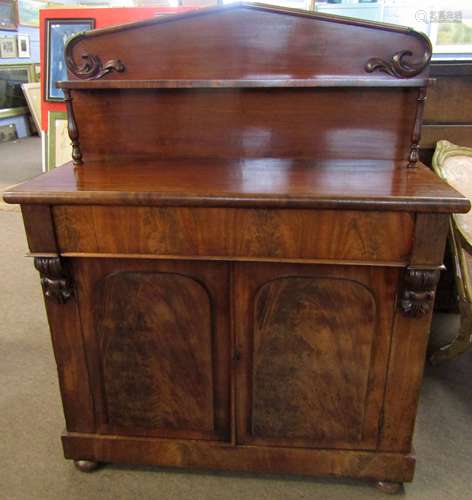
235	233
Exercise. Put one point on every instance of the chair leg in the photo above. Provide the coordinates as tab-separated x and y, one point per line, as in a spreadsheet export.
463	341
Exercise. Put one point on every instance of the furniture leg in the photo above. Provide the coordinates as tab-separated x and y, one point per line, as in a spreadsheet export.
86	465
389	487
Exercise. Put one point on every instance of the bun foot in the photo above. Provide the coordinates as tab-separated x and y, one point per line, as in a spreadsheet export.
389	487
86	465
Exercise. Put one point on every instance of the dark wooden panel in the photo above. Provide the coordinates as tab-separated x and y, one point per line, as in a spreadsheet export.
457	134
158	345
249	123
69	352
319	365
244	41
449	101
450	68
155	337
430	239
405	373
312	354
409	342
297	234
165	452
39	227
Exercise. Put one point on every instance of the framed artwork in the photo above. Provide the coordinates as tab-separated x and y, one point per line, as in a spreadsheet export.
28	11
59	147
37	72
23	46
32	93
12	99
8	15
58	32
8	48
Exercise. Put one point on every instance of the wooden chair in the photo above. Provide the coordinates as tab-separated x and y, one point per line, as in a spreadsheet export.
454	164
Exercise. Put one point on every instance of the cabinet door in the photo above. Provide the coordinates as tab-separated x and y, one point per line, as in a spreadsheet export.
157	346
313	345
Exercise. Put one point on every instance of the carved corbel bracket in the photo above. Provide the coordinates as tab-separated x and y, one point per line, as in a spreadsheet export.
417	295
398	66
55	281
92	67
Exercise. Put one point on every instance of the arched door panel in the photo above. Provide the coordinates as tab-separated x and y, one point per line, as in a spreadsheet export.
158	346
310	347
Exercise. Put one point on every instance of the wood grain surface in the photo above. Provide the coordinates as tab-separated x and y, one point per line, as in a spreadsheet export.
268	182
306	379
157	340
247	123
312	354
263	459
155	336
297	234
249	41
39	227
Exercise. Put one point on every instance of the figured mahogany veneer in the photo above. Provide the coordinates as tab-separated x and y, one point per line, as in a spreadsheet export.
239	265
313	365
256	233
160	374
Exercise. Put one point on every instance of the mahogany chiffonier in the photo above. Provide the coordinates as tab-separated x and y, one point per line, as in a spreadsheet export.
239	266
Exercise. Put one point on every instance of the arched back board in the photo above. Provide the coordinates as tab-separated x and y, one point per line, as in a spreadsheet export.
248	80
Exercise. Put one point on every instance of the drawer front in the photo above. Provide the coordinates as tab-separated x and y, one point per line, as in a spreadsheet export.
235	233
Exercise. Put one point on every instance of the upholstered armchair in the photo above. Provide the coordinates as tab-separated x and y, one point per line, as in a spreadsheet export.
454	164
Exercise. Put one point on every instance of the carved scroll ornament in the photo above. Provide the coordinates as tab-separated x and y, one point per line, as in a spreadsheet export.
92	67
417	297
398	65
55	281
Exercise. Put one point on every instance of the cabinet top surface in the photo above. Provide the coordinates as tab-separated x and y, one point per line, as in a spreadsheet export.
268	182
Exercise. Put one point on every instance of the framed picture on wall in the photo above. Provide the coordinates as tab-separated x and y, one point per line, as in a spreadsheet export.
28	11
59	147
8	48
12	99
23	46
58	32
32	92
8	15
